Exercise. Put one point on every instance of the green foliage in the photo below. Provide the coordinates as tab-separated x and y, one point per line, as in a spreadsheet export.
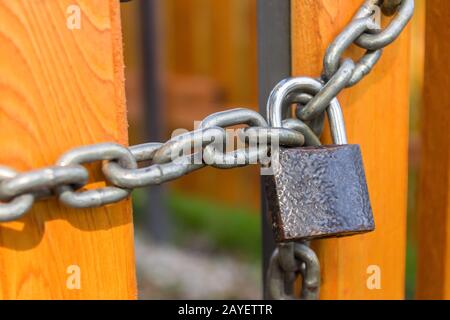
411	245
139	204
233	229
410	283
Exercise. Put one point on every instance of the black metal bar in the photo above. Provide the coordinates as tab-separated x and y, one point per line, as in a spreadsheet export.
274	54
156	220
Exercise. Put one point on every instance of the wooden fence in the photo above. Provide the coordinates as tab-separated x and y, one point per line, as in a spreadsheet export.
62	85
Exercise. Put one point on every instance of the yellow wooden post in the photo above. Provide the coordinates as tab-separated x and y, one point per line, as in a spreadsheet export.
433	273
62	86
376	114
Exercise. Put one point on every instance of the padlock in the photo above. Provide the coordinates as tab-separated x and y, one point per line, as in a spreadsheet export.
320	191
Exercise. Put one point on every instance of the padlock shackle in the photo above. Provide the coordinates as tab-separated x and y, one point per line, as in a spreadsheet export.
279	101
336	121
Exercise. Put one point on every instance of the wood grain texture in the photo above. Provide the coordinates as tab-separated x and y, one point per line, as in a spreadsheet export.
376	114
59	89
433	263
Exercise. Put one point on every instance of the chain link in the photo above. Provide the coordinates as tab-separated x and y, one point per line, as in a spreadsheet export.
335	51
171	160
205	146
339	73
19	205
288	262
379	40
96	197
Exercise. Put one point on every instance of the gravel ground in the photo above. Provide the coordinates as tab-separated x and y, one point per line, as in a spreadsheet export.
167	272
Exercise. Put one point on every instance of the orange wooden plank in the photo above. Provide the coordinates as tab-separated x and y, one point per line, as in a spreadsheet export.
376	114
433	264
61	88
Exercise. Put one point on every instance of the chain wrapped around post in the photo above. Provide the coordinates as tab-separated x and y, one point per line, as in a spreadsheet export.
312	100
194	150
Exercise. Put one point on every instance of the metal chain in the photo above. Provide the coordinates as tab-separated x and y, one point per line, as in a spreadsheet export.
291	260
363	31
68	178
287	262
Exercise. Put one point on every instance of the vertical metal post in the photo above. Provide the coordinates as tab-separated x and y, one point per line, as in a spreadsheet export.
156	219
274	54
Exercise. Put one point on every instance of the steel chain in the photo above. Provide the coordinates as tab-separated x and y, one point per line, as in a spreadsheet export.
339	73
287	262
312	97
68	178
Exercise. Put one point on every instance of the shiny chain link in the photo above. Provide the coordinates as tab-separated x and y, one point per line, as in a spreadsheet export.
287	262
363	30
68	179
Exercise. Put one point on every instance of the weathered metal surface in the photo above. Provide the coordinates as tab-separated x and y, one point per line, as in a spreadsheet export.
319	192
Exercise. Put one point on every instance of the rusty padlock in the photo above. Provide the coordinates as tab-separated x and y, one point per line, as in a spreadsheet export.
321	191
